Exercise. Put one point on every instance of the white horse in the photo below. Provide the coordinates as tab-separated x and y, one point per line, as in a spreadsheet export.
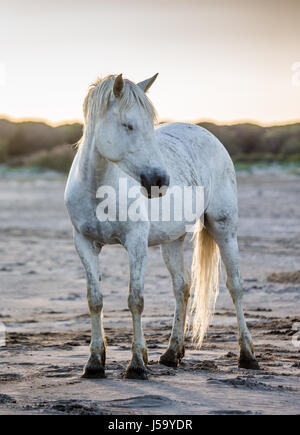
120	140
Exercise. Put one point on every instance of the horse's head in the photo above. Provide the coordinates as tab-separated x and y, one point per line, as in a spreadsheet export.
123	130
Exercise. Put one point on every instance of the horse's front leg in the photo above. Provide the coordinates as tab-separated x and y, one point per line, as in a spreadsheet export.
137	248
88	252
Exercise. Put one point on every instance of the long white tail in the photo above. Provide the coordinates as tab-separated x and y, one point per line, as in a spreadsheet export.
205	281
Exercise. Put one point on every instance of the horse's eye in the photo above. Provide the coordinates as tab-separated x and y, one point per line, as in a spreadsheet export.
128	126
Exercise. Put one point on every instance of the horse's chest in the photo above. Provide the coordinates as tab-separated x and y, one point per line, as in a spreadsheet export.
84	217
106	233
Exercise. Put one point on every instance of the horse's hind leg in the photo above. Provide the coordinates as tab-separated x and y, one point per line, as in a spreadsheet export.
137	247
173	258
222	224
88	253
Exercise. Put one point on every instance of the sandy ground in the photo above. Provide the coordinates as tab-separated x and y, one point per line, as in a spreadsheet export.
44	309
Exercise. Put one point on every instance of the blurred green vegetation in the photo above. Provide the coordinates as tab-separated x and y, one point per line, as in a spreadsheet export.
251	143
40	145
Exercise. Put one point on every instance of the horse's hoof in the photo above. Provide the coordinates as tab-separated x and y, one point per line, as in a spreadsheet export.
171	358
136	373
251	364
166	361
93	373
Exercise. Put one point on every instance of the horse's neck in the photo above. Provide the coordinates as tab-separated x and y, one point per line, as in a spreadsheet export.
92	166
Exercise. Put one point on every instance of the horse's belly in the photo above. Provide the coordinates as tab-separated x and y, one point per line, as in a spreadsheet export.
164	232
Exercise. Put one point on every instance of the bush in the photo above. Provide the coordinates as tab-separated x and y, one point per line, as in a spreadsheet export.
59	158
3	150
26	138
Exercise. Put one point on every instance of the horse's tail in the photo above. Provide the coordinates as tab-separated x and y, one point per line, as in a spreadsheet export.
205	281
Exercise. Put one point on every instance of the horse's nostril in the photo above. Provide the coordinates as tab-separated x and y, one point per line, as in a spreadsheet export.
155	180
164	181
143	180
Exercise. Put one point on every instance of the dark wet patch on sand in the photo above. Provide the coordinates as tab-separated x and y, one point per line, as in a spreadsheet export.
285	277
5	398
248	382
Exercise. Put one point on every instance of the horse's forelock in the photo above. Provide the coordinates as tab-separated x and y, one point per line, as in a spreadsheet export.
99	95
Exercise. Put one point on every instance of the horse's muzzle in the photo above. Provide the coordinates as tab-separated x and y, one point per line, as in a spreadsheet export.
156	182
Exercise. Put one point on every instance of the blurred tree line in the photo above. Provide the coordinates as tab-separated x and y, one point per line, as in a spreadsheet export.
250	143
39	144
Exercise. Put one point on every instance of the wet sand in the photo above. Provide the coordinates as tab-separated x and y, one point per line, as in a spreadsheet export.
44	308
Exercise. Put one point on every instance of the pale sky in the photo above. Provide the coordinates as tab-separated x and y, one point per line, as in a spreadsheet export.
224	60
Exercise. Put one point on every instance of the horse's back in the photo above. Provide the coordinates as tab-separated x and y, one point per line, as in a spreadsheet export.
193	154
189	138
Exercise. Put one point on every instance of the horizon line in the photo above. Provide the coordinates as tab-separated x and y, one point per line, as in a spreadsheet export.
160	121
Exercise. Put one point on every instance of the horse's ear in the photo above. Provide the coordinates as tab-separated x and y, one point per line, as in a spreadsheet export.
118	86
145	85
